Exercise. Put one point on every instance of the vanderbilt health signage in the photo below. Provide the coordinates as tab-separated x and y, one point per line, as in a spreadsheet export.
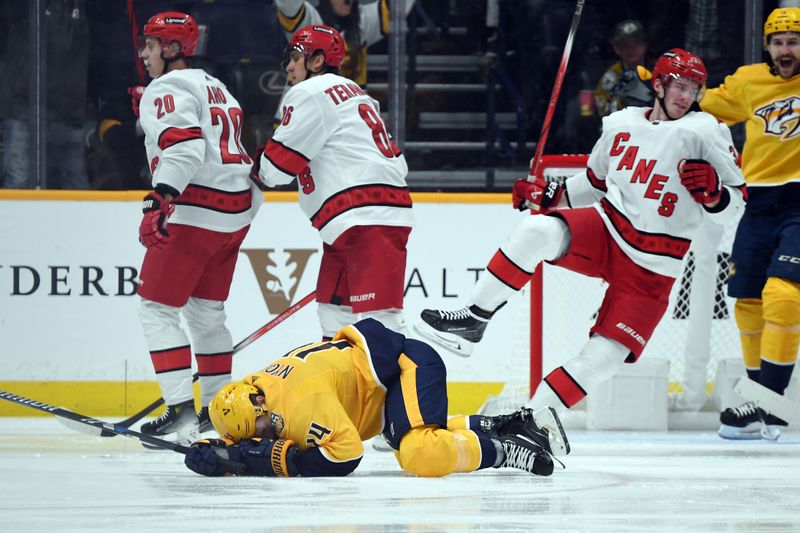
68	270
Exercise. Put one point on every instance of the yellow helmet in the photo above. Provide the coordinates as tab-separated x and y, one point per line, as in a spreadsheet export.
780	20
233	411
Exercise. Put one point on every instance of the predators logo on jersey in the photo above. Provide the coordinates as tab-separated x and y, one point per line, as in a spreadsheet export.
781	118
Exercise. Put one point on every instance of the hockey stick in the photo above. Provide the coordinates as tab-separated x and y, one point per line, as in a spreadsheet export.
769	400
244	343
73	419
551	107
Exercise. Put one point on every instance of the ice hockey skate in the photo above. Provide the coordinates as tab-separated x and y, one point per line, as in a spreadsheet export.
523	454
741	423
542	427
458	330
206	429
179	424
771	426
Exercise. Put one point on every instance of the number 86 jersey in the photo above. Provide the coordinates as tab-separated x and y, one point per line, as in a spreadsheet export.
349	171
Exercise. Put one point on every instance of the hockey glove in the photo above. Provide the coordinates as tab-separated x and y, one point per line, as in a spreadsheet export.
260	457
537	195
153	228
211	457
256	168
136	97
701	180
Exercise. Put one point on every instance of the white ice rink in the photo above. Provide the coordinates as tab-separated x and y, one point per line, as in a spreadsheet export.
55	479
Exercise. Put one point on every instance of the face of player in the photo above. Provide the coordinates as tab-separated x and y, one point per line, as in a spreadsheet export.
679	96
342	8
150	53
631	52
784	48
264	422
296	70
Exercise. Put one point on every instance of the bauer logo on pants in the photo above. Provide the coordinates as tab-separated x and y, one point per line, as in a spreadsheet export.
278	273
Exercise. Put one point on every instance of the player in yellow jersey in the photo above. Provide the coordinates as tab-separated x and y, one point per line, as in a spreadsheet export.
766	251
308	412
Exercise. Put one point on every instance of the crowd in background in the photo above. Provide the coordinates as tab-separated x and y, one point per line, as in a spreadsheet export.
91	133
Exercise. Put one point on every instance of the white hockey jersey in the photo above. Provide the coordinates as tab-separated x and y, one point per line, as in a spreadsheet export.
349	171
192	126
633	174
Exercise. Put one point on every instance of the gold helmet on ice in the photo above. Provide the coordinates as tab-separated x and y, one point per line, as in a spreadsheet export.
234	410
781	20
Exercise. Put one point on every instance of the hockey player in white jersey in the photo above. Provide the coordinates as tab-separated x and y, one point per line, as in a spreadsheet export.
194	222
351	180
652	178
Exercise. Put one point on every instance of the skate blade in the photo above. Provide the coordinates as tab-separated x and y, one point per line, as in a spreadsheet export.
772	433
548	420
734	433
380	444
454	343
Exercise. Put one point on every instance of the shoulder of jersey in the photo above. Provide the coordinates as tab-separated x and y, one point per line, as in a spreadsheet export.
756	70
187	79
318	84
702	122
624	116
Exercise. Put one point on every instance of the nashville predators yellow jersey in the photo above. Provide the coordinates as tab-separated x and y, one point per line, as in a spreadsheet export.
325	395
770	105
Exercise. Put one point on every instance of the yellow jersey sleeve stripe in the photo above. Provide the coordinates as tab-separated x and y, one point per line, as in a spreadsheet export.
290	24
383	10
408	380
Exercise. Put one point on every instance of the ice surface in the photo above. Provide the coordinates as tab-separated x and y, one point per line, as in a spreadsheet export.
55	479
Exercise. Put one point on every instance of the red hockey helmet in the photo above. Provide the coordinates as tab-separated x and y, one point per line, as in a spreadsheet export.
173	26
678	63
319	38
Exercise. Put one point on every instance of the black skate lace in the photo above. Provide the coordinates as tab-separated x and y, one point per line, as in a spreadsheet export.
745	409
458	314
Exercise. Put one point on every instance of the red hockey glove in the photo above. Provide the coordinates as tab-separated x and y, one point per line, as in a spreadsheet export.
701	180
136	97
256	168
153	229
537	195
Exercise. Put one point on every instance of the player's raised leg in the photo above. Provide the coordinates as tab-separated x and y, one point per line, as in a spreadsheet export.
535	239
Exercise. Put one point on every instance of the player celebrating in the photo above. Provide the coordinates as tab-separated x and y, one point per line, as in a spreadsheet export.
652	178
766	281
351	179
193	224
308	412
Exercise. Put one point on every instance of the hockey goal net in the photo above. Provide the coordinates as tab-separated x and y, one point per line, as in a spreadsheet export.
697	331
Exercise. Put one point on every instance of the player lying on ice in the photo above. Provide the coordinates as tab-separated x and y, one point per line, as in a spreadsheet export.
654	176
308	412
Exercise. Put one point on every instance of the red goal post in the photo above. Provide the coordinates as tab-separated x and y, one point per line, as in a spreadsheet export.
694	335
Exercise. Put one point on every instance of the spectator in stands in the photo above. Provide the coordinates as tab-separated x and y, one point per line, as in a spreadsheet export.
67	63
629	42
361	26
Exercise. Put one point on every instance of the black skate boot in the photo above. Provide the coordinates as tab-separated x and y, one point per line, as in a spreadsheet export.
741	423
178	424
544	428
520	453
206	427
456	330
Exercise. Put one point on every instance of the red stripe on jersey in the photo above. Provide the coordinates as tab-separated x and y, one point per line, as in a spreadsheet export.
284	158
179	358
217	200
361	196
596	182
172	136
652	243
743	189
507	271
566	388
214	364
